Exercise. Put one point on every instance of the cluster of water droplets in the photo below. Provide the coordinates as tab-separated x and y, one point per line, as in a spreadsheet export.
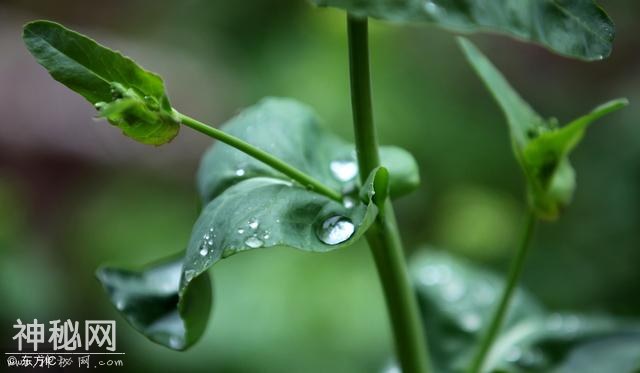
207	243
256	237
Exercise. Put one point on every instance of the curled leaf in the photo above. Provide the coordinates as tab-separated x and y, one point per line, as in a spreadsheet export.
153	302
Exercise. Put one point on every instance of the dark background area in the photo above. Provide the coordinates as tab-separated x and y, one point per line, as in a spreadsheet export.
75	193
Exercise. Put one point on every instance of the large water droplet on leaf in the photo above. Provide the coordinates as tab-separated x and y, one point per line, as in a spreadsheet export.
335	230
344	170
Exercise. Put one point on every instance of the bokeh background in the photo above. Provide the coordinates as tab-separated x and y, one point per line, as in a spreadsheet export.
75	193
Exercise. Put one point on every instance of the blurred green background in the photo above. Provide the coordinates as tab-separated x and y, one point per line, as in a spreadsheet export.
75	193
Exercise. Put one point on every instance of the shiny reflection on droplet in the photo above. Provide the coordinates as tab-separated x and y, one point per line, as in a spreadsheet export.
254	223
204	251
253	242
344	169
335	230
348	202
240	172
240	230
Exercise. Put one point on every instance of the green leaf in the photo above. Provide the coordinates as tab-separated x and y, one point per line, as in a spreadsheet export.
540	146
249	205
575	28
292	132
153	302
128	96
458	299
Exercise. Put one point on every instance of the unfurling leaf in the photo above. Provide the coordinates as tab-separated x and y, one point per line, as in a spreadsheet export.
153	302
540	146
575	28
128	96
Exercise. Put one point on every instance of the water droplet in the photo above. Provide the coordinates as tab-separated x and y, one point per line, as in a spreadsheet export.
210	242
278	221
471	322
254	223
240	230
206	237
335	230
253	242
348	202
240	172
211	230
189	275
266	235
204	251
344	170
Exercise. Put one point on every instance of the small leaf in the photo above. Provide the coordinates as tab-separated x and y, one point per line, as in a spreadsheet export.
153	302
540	146
575	28
128	96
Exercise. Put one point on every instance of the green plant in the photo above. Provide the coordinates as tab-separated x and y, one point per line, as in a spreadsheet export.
309	190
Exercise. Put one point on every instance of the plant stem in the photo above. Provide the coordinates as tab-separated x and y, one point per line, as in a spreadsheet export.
514	275
383	236
305	180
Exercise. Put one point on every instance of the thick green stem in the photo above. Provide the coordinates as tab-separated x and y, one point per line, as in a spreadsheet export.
383	237
278	164
514	275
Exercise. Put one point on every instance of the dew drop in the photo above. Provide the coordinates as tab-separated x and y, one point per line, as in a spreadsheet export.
204	251
240	172
240	230
254	223
210	242
253	242
335	230
206	237
348	202
344	170
266	235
